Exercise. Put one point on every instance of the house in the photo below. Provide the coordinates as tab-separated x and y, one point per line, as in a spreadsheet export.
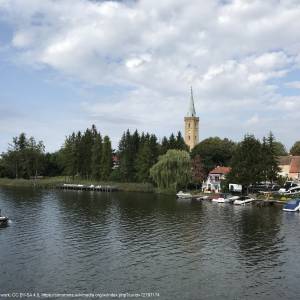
116	161
289	167
213	181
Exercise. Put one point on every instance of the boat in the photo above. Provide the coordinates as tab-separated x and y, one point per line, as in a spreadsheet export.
242	200
288	187
225	198
292	191
203	198
182	195
3	220
292	205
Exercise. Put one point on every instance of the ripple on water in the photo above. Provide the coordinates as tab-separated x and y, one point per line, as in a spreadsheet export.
70	241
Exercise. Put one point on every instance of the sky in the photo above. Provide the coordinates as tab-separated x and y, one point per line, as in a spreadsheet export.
68	64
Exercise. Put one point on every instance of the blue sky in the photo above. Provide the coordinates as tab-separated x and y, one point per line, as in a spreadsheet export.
68	64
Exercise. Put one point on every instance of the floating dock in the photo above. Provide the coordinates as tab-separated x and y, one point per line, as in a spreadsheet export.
82	187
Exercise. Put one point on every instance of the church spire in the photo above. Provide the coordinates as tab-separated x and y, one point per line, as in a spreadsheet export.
192	111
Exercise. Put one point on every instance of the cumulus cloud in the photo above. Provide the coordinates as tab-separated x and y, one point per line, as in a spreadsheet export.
229	51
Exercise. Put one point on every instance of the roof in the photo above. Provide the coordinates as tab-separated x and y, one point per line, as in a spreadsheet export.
284	160
295	164
192	111
220	170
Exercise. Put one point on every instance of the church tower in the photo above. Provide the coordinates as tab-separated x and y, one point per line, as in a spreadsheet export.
191	121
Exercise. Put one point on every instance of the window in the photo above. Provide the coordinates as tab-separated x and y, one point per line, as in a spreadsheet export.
189	137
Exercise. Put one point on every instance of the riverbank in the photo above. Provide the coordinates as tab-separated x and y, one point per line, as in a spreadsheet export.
53	182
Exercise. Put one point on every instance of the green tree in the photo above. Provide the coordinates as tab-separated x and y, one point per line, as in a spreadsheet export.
270	158
106	159
173	170
53	164
295	150
214	152
24	158
146	158
247	162
96	160
164	146
280	149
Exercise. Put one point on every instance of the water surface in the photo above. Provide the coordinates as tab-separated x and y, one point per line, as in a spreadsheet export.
90	242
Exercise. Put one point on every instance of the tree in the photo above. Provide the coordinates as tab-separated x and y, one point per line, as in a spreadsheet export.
146	158
53	164
198	171
96	160
270	158
280	149
128	149
295	150
247	167
214	152
24	158
164	145
172	170
106	159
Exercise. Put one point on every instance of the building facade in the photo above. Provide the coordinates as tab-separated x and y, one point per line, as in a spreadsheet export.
289	167
191	125
214	179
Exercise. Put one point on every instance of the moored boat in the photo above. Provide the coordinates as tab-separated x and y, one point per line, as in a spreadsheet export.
3	220
243	200
292	205
182	195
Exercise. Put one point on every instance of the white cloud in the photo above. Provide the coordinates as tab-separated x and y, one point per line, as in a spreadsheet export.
293	84
228	52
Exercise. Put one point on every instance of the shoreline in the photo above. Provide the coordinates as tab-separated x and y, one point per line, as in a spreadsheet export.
54	182
57	182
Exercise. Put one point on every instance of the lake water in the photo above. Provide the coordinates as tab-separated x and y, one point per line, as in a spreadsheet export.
90	242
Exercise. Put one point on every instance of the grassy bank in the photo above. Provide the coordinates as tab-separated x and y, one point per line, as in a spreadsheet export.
52	182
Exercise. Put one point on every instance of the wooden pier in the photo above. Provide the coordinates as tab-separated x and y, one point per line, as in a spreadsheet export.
82	187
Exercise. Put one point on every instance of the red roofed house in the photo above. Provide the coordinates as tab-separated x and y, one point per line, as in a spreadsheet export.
290	167
213	181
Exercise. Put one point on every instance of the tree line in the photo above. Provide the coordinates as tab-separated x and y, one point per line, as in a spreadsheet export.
88	155
141	157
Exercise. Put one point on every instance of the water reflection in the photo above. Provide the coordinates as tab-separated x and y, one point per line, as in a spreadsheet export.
84	242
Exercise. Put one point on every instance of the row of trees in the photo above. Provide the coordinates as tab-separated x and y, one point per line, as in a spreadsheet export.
88	155
141	158
24	158
252	161
137	153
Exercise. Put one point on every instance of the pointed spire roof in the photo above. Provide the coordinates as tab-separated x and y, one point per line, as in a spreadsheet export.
192	111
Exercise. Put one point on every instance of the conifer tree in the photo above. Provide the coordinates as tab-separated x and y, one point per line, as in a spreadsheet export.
96	160
107	163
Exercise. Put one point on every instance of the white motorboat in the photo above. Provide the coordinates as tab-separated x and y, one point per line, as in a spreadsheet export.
293	205
3	220
224	198
242	200
182	195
